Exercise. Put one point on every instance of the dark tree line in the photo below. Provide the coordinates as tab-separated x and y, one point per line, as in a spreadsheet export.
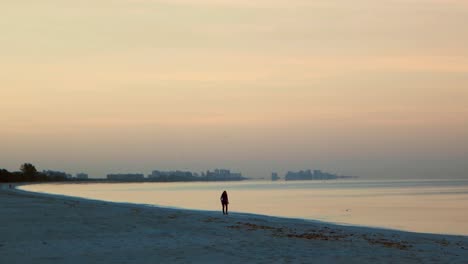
27	173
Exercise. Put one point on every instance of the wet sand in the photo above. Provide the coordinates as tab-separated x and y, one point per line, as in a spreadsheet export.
38	228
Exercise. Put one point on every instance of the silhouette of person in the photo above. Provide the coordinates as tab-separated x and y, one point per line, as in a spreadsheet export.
224	201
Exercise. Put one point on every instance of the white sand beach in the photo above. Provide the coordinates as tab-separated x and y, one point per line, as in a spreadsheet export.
37	228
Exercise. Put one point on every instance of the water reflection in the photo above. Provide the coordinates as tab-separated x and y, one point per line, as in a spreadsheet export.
435	206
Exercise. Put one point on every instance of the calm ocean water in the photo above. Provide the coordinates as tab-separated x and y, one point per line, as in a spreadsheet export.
431	206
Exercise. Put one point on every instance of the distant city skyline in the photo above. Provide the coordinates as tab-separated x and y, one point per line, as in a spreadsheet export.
376	89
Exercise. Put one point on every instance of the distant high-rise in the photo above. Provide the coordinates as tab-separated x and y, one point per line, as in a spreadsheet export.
274	176
177	175
308	175
223	175
82	176
125	177
59	174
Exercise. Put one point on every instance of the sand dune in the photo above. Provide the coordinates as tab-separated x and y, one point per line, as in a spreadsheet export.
37	228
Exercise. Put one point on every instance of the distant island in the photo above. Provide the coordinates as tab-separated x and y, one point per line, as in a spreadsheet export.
29	173
305	175
179	176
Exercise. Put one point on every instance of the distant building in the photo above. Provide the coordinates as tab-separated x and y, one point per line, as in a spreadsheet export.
177	176
57	174
274	176
157	175
82	176
223	175
308	175
125	177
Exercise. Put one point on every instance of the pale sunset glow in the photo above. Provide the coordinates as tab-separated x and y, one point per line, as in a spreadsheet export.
375	89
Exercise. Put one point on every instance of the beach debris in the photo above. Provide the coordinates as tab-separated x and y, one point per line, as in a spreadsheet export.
256	227
320	235
324	234
461	245
213	220
252	227
443	242
402	245
172	216
71	203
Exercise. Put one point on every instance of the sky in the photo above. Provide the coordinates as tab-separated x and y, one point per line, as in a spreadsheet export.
376	89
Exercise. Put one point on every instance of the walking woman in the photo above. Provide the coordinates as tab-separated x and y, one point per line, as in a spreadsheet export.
224	201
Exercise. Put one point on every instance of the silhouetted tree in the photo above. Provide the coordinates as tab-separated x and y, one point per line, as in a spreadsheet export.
29	171
5	176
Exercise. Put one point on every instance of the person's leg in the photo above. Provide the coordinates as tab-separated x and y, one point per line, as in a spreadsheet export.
226	208
223	208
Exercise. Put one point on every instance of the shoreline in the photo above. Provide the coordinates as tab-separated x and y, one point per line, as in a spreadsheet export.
76	230
424	225
312	221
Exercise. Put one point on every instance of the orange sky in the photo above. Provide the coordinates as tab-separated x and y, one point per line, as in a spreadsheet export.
376	89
